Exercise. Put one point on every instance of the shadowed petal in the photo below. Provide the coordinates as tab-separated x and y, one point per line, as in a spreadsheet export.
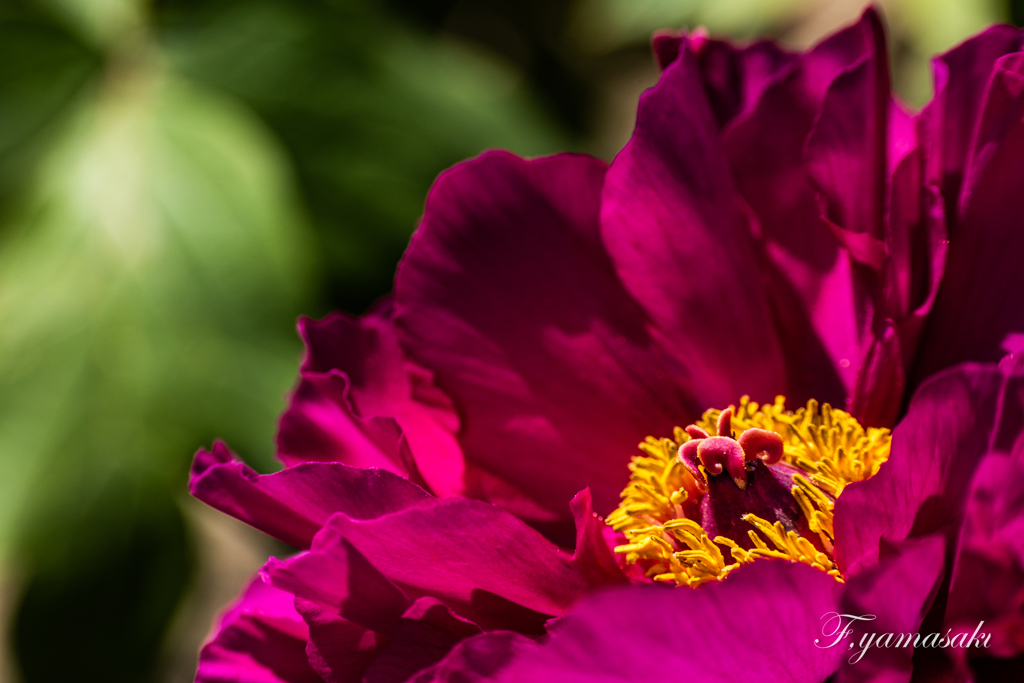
760	624
977	310
339	650
321	426
293	504
478	659
735	78
988	573
594	554
480	560
423	636
949	120
507	294
382	382
954	420
898	593
918	247
848	156
847	151
808	274
675	227
879	390
344	582
261	639
342	651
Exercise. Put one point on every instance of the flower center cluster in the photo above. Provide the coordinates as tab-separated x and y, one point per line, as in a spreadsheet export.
751	482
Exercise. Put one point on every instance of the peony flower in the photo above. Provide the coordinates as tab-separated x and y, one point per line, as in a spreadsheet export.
779	226
931	545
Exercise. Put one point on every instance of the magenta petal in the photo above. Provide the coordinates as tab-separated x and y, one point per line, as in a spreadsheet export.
384	383
961	77
423	636
343	581
950	473
1000	116
808	274
361	628
665	44
478	659
293	504
674	225
735	78
953	421
760	624
594	554
766	144
898	593
480	560
338	650
320	426
879	390
462	548
978	309
261	639
988	573
847	155
507	294
918	247
847	151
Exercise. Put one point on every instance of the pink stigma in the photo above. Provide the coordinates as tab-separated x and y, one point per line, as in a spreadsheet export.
723	453
725	423
717	452
757	441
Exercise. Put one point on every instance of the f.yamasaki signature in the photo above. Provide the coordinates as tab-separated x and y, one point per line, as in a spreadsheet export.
837	628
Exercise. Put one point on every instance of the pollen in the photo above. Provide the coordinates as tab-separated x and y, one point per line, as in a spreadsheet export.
742	484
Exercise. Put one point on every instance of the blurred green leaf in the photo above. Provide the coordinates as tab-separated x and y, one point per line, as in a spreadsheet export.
104	23
43	67
370	113
921	29
601	25
108	606
148	288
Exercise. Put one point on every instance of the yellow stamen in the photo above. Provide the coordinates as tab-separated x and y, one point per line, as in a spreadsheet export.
829	447
789	545
658	485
